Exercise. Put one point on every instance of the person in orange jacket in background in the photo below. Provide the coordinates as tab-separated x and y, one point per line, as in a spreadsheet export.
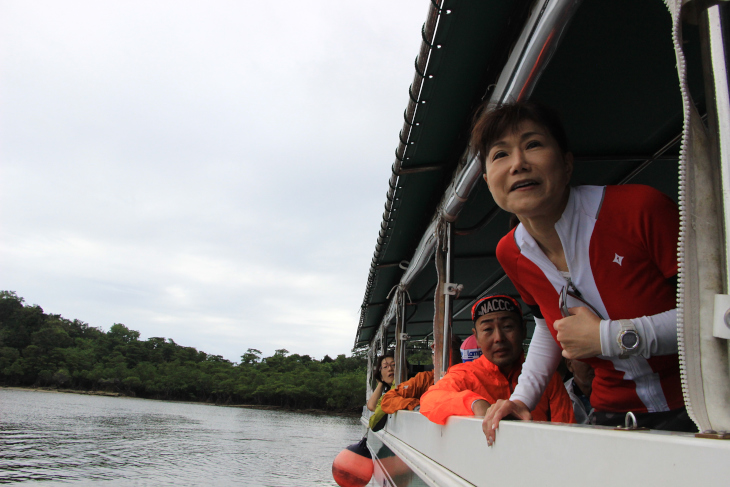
406	395
470	388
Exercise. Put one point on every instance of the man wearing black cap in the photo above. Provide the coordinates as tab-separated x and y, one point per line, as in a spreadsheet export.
470	388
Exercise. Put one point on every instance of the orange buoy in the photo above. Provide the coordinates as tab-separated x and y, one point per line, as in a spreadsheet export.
353	466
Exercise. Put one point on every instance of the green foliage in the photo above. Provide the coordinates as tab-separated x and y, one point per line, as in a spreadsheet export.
37	349
251	356
419	353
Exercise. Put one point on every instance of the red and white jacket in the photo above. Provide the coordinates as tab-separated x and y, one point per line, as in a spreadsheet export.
620	243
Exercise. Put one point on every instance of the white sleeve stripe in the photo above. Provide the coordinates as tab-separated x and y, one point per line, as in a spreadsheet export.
542	360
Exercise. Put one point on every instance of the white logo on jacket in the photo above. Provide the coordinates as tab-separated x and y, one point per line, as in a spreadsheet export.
618	259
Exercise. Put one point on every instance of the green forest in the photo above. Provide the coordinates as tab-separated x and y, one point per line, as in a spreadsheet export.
47	350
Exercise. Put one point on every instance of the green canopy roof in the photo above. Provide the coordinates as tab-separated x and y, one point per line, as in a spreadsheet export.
612	79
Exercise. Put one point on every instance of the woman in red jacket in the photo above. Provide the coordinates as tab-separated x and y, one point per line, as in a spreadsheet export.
597	265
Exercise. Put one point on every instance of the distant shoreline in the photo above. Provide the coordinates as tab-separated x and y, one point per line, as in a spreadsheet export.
67	391
245	406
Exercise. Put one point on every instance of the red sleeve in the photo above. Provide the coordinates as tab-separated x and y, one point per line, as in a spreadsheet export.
451	396
406	394
508	253
561	407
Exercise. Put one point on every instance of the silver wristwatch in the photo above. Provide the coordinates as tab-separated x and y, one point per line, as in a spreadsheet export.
628	339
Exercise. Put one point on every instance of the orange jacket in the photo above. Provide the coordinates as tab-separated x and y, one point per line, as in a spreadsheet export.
406	394
454	394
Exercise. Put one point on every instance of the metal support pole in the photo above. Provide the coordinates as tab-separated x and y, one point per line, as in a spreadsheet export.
401	365
369	386
439	305
447	297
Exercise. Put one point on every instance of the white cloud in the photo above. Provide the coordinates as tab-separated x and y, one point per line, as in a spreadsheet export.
211	172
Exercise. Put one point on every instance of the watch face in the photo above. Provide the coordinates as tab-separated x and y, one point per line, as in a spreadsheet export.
629	339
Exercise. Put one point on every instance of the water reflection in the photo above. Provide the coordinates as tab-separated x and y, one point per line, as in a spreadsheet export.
83	439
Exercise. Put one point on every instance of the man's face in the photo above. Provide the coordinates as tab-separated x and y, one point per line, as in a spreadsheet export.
500	336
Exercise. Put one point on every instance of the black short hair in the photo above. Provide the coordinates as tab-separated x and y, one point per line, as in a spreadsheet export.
491	124
376	365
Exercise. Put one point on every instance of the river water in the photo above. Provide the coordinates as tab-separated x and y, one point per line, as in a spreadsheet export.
82	440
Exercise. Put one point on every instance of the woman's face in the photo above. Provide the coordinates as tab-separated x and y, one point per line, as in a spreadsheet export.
528	174
387	370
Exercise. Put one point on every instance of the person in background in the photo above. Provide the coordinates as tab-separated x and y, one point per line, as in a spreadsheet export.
406	395
579	389
596	264
469	389
470	349
384	373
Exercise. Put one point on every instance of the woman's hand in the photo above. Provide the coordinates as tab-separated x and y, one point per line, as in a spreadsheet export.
373	400
579	334
501	409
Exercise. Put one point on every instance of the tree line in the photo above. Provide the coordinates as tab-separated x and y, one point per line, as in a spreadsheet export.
47	350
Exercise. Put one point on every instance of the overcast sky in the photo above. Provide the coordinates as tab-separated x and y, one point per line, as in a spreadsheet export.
208	171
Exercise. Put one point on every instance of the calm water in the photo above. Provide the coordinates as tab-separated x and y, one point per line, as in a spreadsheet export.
82	440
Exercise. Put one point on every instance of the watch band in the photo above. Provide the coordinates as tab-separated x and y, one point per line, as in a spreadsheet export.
628	339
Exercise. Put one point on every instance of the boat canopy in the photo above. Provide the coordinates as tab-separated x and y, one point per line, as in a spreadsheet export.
609	68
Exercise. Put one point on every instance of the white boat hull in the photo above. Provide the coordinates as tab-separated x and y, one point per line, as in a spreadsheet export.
535	453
